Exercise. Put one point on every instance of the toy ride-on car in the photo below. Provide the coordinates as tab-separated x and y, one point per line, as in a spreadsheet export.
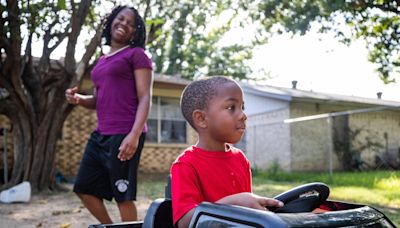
305	206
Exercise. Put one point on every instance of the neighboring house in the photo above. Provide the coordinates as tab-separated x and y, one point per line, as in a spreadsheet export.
312	145
268	141
167	136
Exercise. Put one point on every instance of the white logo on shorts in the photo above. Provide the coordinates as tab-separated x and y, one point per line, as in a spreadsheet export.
122	185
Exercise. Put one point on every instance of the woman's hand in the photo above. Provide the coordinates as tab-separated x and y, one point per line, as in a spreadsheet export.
247	199
128	147
87	101
72	96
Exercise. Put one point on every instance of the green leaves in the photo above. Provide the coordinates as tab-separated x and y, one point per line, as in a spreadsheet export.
187	39
61	5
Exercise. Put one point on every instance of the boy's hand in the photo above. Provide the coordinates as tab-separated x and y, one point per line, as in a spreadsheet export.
247	199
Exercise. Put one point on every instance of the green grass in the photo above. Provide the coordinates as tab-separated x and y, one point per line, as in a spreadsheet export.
152	186
380	189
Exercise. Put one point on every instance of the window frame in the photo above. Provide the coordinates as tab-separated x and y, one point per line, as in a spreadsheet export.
158	118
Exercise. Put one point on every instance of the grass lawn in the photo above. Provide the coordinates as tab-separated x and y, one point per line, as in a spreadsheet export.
379	189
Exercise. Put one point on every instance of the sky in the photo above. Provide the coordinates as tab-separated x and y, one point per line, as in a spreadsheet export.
320	63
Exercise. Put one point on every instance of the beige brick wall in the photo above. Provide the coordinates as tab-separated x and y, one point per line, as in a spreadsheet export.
76	131
8	139
156	158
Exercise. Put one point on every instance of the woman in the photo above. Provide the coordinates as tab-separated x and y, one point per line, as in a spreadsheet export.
123	86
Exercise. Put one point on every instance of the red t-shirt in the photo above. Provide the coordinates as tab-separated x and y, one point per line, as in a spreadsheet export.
199	175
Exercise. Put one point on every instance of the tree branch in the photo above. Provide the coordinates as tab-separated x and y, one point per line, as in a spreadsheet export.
44	62
3	38
384	8
147	10
30	80
77	20
13	52
90	50
60	37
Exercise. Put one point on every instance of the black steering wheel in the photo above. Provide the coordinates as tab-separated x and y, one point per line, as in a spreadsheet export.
303	198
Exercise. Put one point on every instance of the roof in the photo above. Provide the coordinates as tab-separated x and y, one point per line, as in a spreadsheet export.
289	94
175	79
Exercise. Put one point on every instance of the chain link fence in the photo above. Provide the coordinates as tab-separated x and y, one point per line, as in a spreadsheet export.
362	139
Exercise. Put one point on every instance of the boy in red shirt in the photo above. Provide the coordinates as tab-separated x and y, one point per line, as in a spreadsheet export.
213	170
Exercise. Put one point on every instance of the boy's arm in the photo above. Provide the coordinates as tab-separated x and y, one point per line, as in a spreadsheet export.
245	199
185	220
248	199
186	194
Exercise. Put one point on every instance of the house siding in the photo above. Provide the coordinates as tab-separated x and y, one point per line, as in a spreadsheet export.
376	125
314	146
255	105
268	141
310	139
308	145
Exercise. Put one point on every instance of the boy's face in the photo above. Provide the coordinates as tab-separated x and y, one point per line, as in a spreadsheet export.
226	121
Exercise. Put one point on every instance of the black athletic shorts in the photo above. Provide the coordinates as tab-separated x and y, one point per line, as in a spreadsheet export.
102	174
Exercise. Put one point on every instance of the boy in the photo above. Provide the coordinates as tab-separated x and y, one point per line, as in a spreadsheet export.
213	170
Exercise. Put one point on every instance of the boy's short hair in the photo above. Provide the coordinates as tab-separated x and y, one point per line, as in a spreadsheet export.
198	94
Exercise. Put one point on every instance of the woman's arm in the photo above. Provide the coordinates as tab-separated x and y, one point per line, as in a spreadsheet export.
144	84
87	101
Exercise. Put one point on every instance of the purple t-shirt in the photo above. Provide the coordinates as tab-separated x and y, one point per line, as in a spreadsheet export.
116	96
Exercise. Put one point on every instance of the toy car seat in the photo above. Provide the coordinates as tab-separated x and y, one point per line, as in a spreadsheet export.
159	214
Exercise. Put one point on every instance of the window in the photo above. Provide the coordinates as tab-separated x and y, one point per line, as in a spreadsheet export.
166	123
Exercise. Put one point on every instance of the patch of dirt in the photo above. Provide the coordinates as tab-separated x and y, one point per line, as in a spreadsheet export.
63	210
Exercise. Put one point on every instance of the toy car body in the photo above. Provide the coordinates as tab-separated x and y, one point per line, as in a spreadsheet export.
299	211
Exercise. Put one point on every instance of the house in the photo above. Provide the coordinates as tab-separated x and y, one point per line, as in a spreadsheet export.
167	136
368	128
273	137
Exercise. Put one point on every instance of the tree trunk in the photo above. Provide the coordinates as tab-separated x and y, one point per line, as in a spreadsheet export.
35	141
35	103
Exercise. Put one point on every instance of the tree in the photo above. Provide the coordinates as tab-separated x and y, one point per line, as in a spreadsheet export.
375	21
35	102
185	39
33	88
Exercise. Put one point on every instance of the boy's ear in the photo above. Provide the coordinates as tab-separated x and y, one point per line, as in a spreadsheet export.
199	118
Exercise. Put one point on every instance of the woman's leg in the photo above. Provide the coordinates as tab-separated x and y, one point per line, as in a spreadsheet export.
96	207
127	211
